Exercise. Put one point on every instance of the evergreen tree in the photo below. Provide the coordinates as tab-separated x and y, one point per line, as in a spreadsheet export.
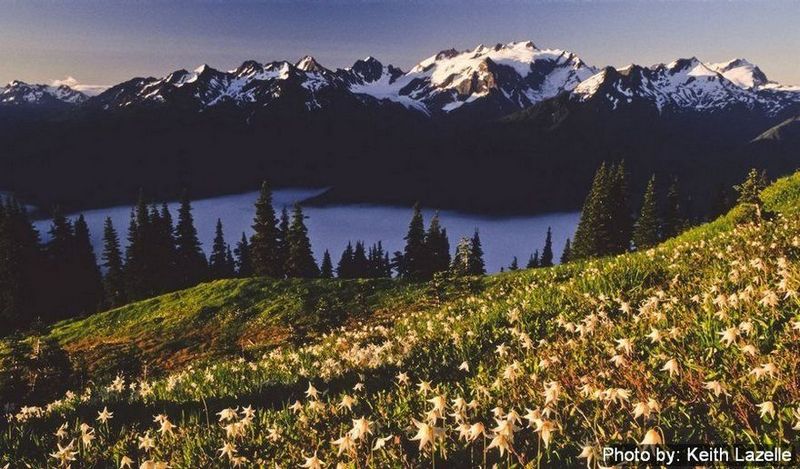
244	266
415	259
301	262
230	262
592	236
89	282
533	260
476	264
674	220
514	264
750	191
326	268
647	230
566	254
140	275
283	239
438	248
163	250
720	202
114	280
360	265
62	267
547	252
620	224
264	252
218	261
345	267
191	265
22	266
463	257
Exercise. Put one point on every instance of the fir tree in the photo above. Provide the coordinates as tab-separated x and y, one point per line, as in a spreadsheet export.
283	239
264	252
415	259
592	235
326	268
88	281
218	261
647	230
750	191
114	280
673	212
462	259
301	262
191	263
547	252
476	264
22	265
360	265
244	267
438	248
345	266
566	254
230	262
620	224
163	250
533	260
62	267
514	264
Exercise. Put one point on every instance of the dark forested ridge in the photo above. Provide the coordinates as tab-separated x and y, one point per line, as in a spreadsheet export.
530	161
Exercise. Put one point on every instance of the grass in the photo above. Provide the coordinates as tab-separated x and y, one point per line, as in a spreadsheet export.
696	340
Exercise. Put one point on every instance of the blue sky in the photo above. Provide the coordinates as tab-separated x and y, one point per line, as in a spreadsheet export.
104	42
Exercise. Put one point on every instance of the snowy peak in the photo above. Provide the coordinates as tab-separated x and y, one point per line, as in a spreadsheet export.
741	72
21	93
310	64
688	85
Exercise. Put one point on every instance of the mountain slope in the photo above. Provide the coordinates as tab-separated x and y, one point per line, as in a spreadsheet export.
695	340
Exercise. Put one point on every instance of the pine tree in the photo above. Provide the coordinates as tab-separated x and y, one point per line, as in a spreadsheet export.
533	260
163	255
514	264
244	267
592	236
566	254
62	267
415	260
230	262
326	268
674	221
620	225
462	259
476	264
750	191
345	266
89	282
191	265
22	268
218	261
547	252
264	252
114	280
283	239
140	257
647	230
301	262
360	263
438	248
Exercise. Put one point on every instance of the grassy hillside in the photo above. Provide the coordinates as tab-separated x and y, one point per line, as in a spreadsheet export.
697	340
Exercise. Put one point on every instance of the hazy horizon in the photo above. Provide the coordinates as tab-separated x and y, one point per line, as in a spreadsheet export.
106	42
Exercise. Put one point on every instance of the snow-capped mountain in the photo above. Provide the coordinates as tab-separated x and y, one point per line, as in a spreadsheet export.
515	75
18	93
689	85
490	81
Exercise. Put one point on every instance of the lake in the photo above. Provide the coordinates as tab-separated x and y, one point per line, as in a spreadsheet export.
332	227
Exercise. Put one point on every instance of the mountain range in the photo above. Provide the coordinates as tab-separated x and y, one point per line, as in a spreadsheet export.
301	123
